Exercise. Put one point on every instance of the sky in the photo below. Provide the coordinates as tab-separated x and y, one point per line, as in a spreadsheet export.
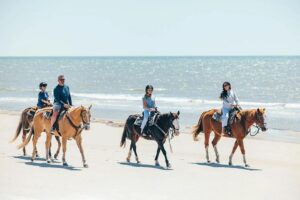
149	27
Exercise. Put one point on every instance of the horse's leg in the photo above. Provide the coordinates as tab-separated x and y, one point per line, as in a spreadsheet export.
58	146
232	152
79	144
135	153
206	145
34	142
64	147
48	145
162	148
156	157
23	140
129	153
214	143
241	144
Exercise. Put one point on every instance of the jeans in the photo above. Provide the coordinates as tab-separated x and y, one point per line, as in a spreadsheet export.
146	117
225	116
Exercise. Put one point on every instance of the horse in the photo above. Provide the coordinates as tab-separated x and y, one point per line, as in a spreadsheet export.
163	124
70	124
25	125
242	123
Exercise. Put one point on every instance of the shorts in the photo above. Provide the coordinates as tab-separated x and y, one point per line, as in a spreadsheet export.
56	107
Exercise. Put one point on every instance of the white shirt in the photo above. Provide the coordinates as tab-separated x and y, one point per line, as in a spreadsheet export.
231	100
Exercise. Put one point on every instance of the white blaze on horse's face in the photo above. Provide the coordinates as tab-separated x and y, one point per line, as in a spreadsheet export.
86	118
176	126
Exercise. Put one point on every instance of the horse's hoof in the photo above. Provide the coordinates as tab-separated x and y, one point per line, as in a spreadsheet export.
230	163
157	164
85	165
127	159
246	165
208	161
37	155
48	161
32	159
65	164
169	166
55	156
217	160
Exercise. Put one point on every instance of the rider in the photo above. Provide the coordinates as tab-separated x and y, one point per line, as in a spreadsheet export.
62	99
148	105
43	98
230	100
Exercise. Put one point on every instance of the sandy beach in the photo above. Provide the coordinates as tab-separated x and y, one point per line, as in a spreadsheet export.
274	171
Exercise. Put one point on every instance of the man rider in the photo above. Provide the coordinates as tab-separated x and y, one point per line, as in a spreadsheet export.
62	99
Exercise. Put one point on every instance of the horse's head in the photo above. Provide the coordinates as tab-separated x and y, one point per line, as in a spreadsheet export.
174	122
260	118
86	117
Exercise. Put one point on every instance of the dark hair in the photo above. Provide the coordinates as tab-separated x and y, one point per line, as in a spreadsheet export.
224	93
147	88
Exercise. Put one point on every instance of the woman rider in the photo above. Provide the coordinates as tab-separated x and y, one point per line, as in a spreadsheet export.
230	100
148	105
43	98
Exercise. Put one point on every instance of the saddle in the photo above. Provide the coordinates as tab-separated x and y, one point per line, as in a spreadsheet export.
217	116
48	114
151	121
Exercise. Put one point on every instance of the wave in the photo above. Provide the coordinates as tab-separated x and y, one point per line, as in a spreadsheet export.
180	100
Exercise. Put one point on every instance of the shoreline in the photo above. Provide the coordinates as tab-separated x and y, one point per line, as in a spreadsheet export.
185	129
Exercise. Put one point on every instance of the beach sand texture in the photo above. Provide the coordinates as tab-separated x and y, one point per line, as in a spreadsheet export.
274	172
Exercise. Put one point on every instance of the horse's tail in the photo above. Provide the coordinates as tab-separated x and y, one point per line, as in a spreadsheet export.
18	129
27	139
198	128
124	135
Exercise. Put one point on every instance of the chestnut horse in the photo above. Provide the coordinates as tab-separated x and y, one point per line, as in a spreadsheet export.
159	132
244	120
25	125
70	126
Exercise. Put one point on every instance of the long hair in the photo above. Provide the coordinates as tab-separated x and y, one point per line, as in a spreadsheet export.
224	93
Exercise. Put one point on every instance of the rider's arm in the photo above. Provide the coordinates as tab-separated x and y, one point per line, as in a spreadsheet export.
236	99
69	97
56	96
145	105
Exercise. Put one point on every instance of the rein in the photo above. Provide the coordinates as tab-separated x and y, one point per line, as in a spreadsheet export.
170	132
77	128
255	132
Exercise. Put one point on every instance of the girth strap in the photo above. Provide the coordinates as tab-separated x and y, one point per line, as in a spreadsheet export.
77	128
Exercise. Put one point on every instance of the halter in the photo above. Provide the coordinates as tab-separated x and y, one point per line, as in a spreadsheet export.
80	127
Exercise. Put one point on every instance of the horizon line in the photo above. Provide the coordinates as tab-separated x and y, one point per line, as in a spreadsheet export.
66	56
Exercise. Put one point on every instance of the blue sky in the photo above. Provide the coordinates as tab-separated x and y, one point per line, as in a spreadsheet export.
149	28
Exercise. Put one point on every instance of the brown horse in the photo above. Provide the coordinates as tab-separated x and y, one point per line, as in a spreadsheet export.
244	120
25	125
70	126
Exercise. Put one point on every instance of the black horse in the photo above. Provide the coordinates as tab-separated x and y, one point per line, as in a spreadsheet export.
164	125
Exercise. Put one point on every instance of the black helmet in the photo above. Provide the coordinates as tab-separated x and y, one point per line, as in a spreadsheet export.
148	87
43	84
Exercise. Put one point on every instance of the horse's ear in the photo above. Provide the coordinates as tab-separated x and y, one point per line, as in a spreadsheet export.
90	107
258	111
178	112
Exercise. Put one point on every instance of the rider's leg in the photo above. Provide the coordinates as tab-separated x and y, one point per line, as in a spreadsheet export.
53	119
225	116
145	120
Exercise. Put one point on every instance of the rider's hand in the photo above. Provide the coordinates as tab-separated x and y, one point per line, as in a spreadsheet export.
67	106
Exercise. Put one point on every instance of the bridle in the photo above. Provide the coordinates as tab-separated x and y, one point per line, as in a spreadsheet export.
80	127
259	123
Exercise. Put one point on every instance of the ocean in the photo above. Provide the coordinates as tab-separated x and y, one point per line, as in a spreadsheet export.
115	85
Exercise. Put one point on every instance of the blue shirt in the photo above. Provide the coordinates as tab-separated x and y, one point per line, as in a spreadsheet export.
42	96
62	95
149	101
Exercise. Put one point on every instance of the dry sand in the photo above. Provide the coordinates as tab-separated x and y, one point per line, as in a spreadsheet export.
274	172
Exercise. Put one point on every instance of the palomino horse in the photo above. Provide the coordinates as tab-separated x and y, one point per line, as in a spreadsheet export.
159	132
70	126
244	120
25	125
